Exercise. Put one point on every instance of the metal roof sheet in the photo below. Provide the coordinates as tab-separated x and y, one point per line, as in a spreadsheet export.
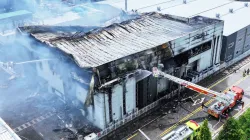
104	45
6	133
233	22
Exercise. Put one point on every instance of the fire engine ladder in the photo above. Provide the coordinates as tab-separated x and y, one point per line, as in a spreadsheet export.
9	70
192	86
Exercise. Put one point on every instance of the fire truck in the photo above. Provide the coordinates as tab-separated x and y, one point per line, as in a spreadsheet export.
185	132
224	101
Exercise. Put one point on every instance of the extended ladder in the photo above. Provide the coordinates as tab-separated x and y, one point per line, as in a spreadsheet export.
192	86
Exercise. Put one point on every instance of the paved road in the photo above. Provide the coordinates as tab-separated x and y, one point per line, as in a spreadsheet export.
186	111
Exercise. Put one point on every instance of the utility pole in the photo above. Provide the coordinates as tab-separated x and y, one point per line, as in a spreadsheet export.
126	5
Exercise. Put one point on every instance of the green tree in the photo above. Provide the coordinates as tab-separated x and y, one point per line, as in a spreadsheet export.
204	133
231	131
244	122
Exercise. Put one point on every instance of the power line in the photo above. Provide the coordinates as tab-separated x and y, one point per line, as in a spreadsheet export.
213	8
155	4
233	11
176	5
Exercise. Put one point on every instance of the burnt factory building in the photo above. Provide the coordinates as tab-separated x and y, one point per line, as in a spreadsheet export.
112	79
236	32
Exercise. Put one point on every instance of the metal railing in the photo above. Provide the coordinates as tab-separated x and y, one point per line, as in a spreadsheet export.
138	113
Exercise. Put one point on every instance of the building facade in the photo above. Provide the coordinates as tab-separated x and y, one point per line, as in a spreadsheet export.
236	44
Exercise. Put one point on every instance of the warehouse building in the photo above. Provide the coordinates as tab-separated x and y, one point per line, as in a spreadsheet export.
236	29
111	78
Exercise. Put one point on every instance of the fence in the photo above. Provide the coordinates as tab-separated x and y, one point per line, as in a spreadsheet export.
138	113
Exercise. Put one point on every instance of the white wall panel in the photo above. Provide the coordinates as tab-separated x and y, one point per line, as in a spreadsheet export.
130	95
117	102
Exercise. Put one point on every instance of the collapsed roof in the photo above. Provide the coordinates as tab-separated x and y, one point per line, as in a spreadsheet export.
104	45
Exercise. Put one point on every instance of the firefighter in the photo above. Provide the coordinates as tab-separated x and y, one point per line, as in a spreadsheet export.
234	70
242	103
202	105
244	74
227	115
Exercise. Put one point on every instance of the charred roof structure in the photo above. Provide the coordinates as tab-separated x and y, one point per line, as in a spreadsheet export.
113	79
114	42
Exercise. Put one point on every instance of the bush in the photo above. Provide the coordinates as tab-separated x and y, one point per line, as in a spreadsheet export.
244	122
231	131
204	133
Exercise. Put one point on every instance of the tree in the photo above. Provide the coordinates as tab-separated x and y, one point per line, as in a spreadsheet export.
204	133
244	122
231	131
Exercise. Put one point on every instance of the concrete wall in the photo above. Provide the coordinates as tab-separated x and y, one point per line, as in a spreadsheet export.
203	60
120	94
190	41
247	39
54	80
239	44
236	44
228	47
130	95
117	102
97	114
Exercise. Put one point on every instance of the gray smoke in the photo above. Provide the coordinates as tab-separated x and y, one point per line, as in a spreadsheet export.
24	94
28	92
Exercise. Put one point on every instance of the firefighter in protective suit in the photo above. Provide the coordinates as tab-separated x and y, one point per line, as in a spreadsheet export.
244	74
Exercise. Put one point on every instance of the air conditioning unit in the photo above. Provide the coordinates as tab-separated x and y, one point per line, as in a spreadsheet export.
217	15
159	8
231	10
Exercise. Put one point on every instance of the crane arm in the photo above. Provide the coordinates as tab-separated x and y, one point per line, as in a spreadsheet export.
192	86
